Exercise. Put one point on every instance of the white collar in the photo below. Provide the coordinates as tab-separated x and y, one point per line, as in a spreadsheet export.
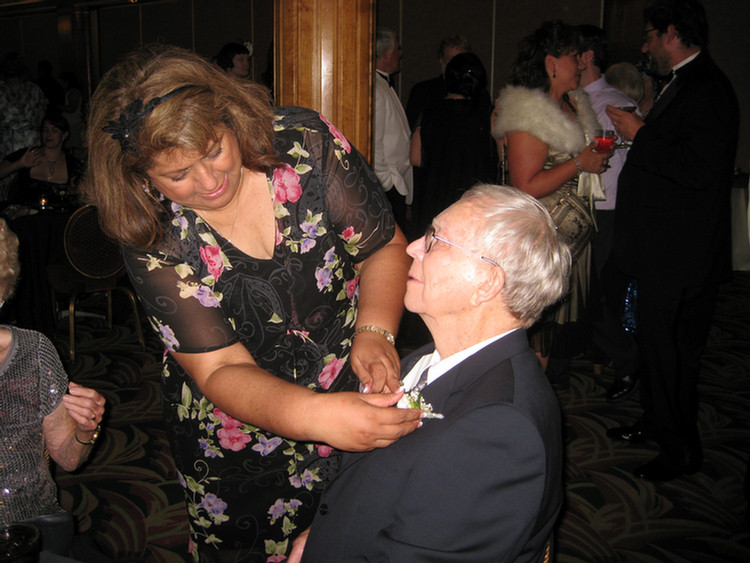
439	366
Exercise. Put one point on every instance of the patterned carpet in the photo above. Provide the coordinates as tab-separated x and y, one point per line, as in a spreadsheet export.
127	500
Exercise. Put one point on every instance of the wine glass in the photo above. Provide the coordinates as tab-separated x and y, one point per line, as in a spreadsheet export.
604	139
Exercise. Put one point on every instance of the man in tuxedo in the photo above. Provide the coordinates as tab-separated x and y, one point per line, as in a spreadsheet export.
483	483
391	133
672	228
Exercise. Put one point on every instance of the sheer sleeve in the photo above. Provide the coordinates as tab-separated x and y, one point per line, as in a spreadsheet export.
184	309
358	206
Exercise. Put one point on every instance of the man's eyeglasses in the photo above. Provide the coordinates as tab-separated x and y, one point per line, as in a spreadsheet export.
430	237
646	32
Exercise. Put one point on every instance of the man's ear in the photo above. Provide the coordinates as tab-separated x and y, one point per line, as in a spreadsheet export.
490	287
671	33
587	57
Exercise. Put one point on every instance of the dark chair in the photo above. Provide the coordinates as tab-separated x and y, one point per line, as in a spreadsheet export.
94	265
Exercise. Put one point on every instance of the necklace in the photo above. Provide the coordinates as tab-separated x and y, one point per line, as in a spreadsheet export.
236	209
51	167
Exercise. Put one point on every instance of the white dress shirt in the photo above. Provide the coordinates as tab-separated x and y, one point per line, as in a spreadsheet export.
602	94
392	137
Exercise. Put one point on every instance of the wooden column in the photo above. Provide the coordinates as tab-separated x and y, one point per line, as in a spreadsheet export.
323	59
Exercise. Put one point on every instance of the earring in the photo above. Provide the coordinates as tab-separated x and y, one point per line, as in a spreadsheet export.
149	188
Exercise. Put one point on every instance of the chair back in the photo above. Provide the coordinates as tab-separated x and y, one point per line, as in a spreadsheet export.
88	249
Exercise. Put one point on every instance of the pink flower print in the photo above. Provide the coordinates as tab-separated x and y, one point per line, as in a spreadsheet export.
286	184
233	439
330	372
276	559
211	255
226	420
348	233
352	287
323	450
337	135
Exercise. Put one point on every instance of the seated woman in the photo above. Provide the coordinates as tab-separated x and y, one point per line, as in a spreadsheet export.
48	170
452	142
36	414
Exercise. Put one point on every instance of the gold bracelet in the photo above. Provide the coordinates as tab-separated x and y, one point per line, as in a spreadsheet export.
94	436
379	330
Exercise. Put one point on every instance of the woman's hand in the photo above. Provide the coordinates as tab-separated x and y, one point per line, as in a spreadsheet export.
85	406
592	161
376	363
357	422
31	158
626	123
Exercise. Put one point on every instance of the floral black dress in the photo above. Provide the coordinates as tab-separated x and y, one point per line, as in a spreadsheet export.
249	492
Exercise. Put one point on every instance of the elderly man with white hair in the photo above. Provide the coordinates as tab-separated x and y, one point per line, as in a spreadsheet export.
481	480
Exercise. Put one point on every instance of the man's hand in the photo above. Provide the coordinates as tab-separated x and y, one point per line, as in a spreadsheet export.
626	123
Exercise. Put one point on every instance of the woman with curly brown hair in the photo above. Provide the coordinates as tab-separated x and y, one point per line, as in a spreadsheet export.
265	253
545	123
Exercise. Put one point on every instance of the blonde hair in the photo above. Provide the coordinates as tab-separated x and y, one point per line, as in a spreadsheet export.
188	120
627	79
9	264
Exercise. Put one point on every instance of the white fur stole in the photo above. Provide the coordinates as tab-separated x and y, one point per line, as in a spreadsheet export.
532	111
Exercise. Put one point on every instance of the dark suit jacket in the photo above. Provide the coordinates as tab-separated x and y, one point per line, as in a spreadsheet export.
483	484
672	214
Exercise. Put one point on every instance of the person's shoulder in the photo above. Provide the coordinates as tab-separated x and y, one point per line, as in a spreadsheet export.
291	118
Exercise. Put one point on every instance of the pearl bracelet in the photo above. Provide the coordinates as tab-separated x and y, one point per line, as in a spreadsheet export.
379	330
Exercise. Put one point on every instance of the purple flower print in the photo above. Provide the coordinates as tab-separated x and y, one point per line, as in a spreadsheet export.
330	256
324	277
206	297
306	245
168	337
213	504
265	446
208	451
286	184
211	255
278	509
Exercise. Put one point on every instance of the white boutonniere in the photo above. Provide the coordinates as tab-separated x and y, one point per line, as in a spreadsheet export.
413	400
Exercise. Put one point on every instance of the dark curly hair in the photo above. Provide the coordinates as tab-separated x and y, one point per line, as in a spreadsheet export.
687	16
553	38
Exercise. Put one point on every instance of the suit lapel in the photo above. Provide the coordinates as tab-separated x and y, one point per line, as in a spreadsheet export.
466	373
683	76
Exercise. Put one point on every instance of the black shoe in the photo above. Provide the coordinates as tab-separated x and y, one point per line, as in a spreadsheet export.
664	468
630	434
622	388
